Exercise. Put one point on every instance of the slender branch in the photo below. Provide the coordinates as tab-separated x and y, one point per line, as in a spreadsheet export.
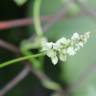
40	75
15	81
59	15
20	76
8	46
36	16
20	22
10	62
28	21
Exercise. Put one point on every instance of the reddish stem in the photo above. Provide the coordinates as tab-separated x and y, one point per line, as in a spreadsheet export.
20	22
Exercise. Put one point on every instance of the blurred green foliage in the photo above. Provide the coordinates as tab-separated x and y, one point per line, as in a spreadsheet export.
77	68
78	65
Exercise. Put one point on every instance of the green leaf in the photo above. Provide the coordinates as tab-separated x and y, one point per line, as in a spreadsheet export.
20	2
55	5
77	65
66	27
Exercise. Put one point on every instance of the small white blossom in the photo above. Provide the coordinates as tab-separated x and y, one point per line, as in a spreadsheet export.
47	46
54	60
71	51
81	44
64	51
49	49
63	42
75	36
77	47
63	47
85	37
53	55
62	57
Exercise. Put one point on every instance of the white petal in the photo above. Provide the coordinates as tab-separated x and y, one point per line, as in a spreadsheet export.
20	2
62	40
75	36
77	47
63	57
71	51
55	47
47	46
81	44
87	35
51	53
54	60
64	51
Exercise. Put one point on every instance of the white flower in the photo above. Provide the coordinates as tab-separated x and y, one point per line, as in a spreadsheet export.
75	36
86	37
77	47
71	51
64	51
63	57
63	42
64	47
54	60
47	46
81	44
53	55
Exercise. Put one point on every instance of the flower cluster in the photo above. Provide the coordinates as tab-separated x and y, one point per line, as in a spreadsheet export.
63	47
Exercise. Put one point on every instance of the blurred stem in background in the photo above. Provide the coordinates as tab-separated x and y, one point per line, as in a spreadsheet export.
36	17
10	62
27	46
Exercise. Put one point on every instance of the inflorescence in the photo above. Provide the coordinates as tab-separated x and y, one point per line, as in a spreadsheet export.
64	47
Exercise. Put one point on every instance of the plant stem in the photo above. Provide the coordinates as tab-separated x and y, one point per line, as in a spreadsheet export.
36	17
25	49
10	62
